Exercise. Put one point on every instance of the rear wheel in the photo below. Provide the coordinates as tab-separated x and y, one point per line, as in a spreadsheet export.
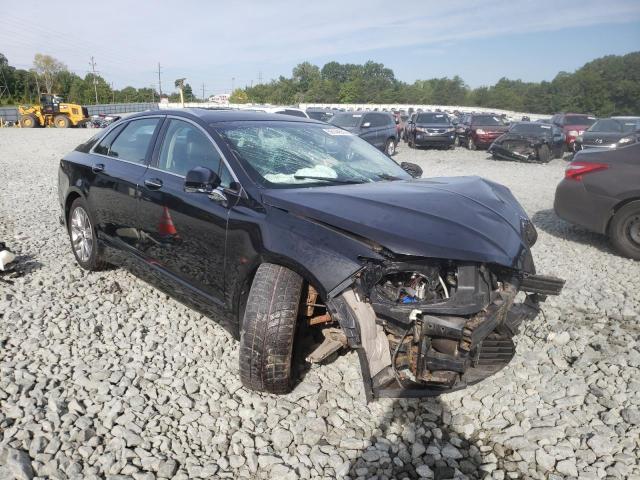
268	329
624	230
456	142
61	121
27	121
82	234
544	154
390	147
471	144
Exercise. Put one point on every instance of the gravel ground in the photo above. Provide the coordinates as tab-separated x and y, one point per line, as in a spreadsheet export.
102	375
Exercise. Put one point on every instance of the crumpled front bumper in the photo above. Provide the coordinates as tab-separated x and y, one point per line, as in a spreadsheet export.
529	155
438	353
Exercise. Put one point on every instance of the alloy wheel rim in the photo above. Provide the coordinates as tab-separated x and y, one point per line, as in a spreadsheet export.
390	148
81	234
634	229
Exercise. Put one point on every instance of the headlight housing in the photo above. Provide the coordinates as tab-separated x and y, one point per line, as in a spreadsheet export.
573	133
480	131
421	129
625	140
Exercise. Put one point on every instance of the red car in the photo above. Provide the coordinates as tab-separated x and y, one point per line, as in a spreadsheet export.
480	130
572	125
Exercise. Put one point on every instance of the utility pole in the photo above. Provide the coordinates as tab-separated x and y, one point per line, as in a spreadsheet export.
113	94
260	77
203	93
159	81
95	82
233	84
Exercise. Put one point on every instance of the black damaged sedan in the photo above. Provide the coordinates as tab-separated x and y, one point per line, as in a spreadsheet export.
529	142
272	225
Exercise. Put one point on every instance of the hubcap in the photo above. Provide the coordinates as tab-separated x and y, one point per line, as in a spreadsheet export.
81	235
634	229
390	148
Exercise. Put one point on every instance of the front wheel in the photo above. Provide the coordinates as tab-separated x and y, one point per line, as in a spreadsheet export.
390	147
544	154
82	234
456	142
624	230
27	121
268	329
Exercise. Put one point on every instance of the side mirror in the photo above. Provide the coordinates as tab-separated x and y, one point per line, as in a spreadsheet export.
201	180
366	124
412	169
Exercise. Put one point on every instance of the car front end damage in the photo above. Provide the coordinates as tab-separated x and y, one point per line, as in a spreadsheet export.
428	279
424	327
519	149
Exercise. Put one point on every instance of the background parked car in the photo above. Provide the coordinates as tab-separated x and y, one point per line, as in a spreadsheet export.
480	130
377	128
294	112
572	125
322	114
432	129
408	127
529	142
610	133
601	192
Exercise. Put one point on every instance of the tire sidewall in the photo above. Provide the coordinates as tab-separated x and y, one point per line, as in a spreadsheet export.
618	231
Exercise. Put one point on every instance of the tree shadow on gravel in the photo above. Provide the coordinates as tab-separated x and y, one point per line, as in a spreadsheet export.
549	222
413	439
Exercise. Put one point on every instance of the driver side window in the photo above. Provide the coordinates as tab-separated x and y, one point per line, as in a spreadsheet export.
185	147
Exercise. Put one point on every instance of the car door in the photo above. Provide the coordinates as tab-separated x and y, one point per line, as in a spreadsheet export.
119	162
184	232
368	132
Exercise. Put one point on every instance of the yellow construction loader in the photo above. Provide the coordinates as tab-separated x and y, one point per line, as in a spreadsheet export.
52	111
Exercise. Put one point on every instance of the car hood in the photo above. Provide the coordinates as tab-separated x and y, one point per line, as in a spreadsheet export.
461	218
433	125
519	136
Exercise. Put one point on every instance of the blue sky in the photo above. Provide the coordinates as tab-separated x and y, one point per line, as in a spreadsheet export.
212	42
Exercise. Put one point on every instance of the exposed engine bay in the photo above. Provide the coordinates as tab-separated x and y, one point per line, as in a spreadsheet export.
425	327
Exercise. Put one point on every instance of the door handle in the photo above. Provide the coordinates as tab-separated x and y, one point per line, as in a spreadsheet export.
97	168
153	183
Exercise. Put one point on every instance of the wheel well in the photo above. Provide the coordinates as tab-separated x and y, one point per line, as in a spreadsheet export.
243	293
67	204
617	207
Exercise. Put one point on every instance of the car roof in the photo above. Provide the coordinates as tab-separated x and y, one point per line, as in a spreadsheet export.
221	116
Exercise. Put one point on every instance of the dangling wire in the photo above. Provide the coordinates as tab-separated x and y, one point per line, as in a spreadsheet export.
395	355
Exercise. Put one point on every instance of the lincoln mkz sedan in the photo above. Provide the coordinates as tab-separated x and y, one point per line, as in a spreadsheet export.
272	225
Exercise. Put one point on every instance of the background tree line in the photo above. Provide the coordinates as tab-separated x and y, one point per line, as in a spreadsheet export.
603	87
52	76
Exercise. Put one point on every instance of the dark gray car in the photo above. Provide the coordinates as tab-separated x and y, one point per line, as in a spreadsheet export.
601	192
432	129
609	133
377	128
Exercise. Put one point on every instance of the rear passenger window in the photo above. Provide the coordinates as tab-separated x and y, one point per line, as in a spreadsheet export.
379	120
133	143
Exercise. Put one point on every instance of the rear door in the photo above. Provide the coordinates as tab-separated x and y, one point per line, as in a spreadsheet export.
185	232
369	133
119	162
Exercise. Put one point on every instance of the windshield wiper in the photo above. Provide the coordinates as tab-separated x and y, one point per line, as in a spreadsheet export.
386	176
326	179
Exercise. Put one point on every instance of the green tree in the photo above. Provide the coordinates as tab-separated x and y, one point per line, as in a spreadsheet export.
48	69
238	96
